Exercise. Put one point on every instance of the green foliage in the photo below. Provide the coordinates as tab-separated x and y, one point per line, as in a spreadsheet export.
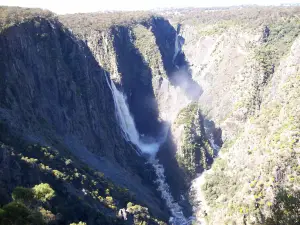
58	174
16	213
196	153
276	45
141	215
286	210
187	114
80	223
144	41
68	162
47	215
129	204
29	160
85	22
43	192
22	194
10	16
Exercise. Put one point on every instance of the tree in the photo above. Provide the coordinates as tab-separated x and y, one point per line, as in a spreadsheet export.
14	213
22	194
286	210
43	192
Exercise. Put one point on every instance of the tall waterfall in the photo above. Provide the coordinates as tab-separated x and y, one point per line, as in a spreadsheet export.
177	47
128	127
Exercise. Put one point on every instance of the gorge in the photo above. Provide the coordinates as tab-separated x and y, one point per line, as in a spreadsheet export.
182	116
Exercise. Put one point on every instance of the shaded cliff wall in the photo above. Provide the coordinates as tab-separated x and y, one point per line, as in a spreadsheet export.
54	92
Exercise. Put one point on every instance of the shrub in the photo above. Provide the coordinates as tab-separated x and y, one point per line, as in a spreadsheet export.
80	223
15	213
22	194
286	209
47	215
129	204
43	192
58	174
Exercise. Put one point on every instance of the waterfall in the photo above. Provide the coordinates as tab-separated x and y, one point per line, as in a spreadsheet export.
123	115
131	134
177	47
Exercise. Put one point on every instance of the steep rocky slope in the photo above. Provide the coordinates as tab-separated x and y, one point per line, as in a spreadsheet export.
216	89
54	93
145	63
247	66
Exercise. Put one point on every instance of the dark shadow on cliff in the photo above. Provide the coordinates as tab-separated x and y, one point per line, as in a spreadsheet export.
174	174
136	81
54	92
174	60
213	136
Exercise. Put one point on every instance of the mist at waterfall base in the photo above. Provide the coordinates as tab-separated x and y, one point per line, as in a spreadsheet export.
147	147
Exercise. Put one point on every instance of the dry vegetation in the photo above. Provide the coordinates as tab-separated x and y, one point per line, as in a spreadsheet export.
103	20
10	16
251	15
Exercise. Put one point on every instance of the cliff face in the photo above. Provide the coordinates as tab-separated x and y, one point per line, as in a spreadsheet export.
246	70
211	85
54	93
146	62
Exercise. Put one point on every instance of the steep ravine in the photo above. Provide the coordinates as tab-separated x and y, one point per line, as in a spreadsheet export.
54	93
157	85
187	117
71	115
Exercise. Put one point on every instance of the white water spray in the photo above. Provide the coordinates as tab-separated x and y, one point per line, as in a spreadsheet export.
130	132
177	48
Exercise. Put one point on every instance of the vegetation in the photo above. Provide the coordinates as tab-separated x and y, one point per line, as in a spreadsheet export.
80	223
43	192
286	209
25	195
84	23
71	188
279	37
144	41
248	17
24	210
141	215
196	153
10	16
255	181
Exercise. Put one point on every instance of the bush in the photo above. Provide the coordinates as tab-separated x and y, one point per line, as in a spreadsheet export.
80	223
43	192
129	204
286	209
22	194
15	213
47	215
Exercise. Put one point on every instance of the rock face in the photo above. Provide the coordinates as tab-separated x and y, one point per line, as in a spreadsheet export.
146	62
245	71
211	85
53	92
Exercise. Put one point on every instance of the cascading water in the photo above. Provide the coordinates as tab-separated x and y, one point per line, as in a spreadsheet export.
131	134
126	121
177	48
